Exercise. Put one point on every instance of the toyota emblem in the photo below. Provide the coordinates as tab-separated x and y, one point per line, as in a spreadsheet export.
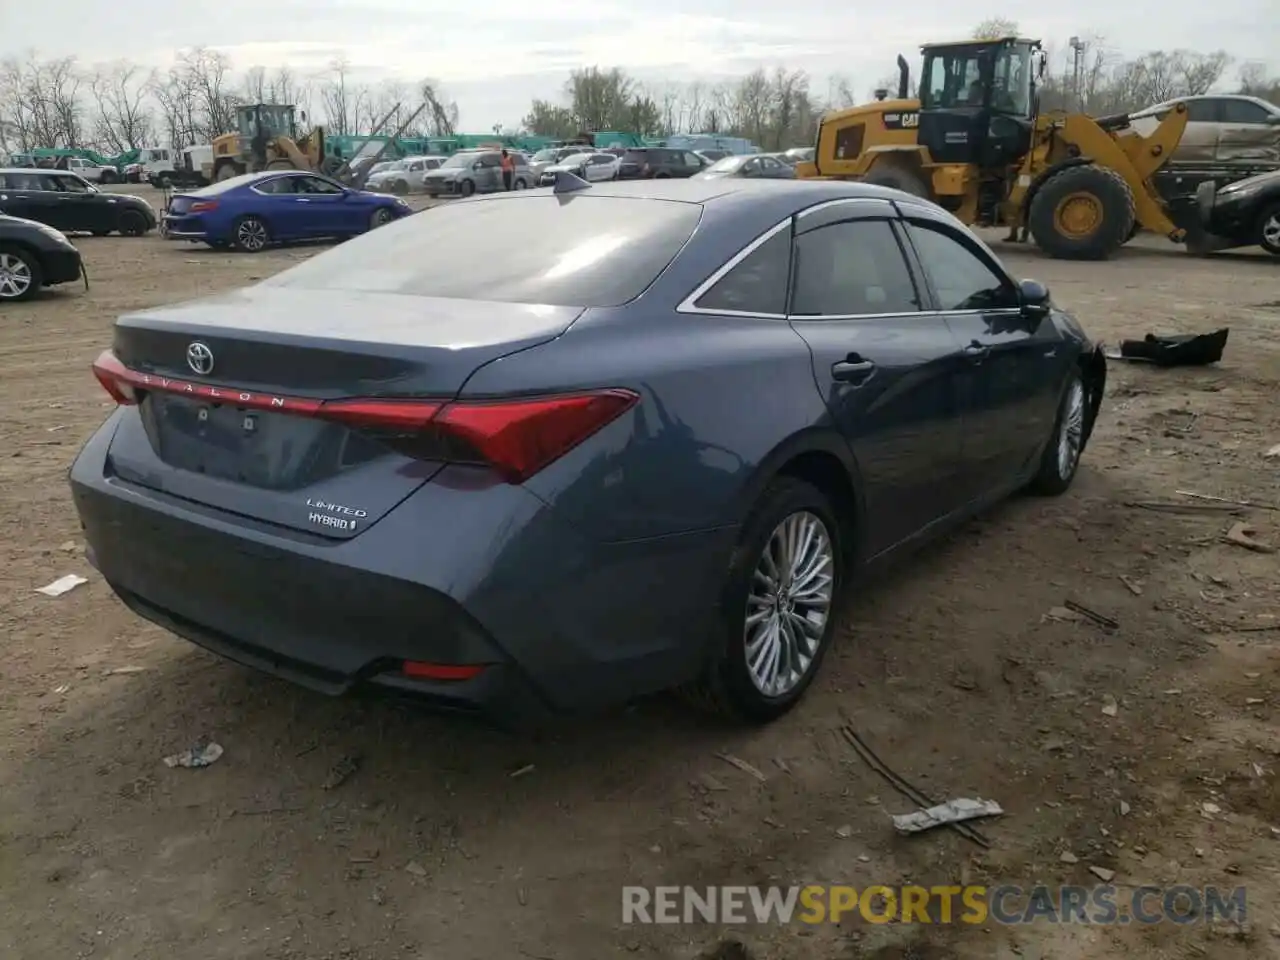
200	358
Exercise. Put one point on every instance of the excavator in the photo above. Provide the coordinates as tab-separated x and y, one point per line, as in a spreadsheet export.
976	142
266	138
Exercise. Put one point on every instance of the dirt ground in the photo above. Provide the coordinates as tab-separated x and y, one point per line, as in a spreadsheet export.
337	829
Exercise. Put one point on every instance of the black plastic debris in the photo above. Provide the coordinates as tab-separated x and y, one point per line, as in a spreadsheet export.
1180	350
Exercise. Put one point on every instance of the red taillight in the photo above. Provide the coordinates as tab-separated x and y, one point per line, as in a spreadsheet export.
441	671
517	438
114	377
203	206
520	437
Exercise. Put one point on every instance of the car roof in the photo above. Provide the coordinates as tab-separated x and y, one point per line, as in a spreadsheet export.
706	191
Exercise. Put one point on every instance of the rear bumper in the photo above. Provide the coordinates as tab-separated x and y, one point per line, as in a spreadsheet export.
452	576
183	228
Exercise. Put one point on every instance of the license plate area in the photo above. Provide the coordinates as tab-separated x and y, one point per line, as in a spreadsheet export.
259	448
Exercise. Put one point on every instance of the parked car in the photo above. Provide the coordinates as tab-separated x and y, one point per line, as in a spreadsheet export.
403	176
514	470
34	255
1228	137
478	171
711	155
63	200
640	163
254	210
93	172
589	166
760	166
553	155
1245	212
798	155
1222	129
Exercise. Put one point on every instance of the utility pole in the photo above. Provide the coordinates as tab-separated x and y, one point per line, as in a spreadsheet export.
1078	48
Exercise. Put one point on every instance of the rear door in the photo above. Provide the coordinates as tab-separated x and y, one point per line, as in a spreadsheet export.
1013	366
883	361
1249	134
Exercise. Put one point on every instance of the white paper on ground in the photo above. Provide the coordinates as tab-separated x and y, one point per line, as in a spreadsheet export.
61	585
953	811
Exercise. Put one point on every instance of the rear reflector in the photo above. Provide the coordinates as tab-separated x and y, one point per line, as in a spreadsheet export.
441	671
517	438
203	206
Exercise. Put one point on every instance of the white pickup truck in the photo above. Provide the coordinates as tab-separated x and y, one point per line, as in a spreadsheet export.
91	171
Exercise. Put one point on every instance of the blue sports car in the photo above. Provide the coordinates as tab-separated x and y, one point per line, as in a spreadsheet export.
646	445
257	209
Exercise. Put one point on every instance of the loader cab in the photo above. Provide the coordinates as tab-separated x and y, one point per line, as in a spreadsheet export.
260	123
978	100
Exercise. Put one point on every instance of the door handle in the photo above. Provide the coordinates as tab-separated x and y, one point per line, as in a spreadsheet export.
302	200
852	369
977	352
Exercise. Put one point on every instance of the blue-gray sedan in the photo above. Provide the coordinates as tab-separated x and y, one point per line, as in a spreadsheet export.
546	451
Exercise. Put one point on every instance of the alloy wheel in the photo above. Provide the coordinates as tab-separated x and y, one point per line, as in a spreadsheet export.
789	603
15	276
1271	232
252	234
1071	432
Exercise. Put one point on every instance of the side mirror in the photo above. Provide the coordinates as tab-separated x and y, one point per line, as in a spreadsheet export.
1273	120
477	165
1034	297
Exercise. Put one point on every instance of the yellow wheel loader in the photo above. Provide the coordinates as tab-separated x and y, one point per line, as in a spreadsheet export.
267	139
976	143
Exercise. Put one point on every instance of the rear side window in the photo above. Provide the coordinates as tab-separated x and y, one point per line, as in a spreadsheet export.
582	252
1201	111
852	268
758	284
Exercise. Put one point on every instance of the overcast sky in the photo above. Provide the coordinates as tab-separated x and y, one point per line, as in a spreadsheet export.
493	56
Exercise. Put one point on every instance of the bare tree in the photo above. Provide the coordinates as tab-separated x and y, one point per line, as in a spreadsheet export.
125	118
994	28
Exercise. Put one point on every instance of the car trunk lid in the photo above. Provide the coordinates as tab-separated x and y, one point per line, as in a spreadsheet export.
282	404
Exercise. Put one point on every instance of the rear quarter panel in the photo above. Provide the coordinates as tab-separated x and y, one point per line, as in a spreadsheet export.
718	395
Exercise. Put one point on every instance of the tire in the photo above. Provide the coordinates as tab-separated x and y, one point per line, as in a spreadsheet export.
520	183
400	188
20	275
467	187
662	176
729	686
101	233
1082	213
897	178
225	172
1061	457
1269	230
433	196
280	165
131	223
165	182
109	176
250	235
380	218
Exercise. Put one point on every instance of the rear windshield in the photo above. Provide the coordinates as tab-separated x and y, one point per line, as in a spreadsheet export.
582	252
